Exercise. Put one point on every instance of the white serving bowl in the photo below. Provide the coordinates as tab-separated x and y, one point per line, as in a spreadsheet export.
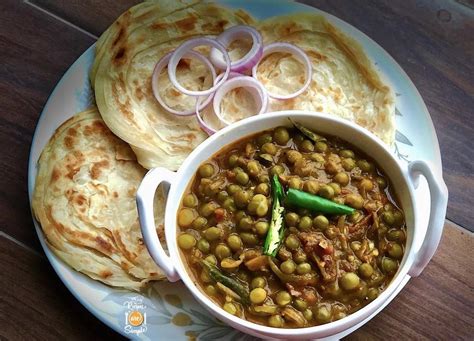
404	180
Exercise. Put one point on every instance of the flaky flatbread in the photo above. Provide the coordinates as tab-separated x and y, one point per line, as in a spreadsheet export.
84	199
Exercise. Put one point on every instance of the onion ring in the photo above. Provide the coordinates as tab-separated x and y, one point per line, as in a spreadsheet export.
201	103
188	46
156	74
300	56
246	62
240	82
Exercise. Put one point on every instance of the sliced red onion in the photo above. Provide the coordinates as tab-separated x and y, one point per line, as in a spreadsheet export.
181	51
260	95
227	37
162	63
202	102
300	56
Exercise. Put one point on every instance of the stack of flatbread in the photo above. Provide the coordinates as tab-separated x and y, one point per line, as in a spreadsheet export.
89	172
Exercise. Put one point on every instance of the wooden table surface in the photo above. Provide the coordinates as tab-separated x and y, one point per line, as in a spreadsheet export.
433	41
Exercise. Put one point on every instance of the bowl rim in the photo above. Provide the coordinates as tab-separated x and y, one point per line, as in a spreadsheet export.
251	327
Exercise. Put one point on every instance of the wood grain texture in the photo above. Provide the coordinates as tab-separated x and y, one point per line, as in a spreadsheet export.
36	51
35	305
93	16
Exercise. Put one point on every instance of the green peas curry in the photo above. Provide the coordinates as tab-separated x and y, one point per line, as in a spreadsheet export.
339	240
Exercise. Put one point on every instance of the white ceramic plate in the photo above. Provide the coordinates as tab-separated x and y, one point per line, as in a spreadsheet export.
170	311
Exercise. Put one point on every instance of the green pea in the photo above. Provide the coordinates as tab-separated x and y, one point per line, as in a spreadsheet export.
203	245
398	218
292	219
372	294
292	242
305	223
190	200
246	223
222	251
311	186
222	196
349	281
264	178
396	235
253	167
381	182
317	157
234	241
262	139
335	187
288	266
261	228
211	290
293	156
262	188
269	148
354	200
321	147
277	170
242	178
308	314
233	160
281	136
366	270
206	170
366	185
283	298
303	268
205	278
249	239
326	191
211	259
323	314
295	183
300	257
258	295
388	265
230	308
364	165
232	189
395	250
346	153
186	217
212	233
258	205
237	170
229	205
321	222
300	304
388	218
276	321
208	209
331	167
199	223
342	178
186	241
307	146
258	282
298	138
348	164
241	198
239	215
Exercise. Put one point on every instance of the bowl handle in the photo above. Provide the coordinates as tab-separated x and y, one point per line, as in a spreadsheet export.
145	198
439	201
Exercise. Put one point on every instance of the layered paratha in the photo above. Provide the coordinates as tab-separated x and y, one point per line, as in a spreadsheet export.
344	82
84	199
121	76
